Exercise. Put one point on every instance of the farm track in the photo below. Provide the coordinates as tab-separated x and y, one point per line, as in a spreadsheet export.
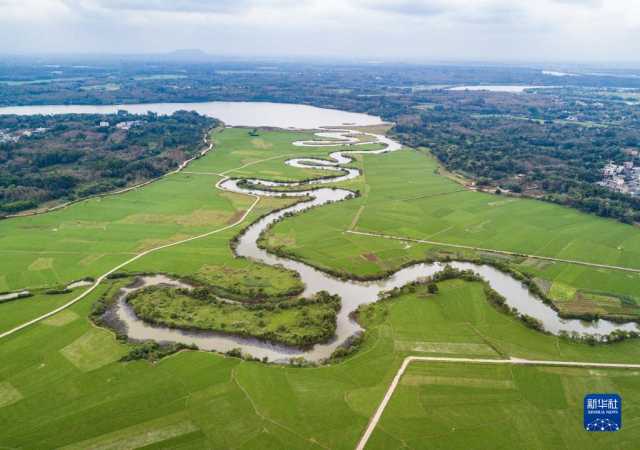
513	361
104	276
491	250
120	266
100	279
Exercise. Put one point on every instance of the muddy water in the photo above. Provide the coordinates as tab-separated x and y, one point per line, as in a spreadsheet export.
353	293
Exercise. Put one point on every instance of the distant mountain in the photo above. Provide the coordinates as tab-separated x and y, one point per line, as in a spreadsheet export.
189	54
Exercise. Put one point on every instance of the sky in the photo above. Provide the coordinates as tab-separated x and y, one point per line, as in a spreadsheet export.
598	31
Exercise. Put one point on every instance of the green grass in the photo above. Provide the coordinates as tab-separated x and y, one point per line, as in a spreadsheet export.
402	195
8	394
61	384
82	352
203	400
16	312
89	238
93	236
469	406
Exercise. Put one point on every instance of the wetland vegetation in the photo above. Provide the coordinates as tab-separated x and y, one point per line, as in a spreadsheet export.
297	322
188	398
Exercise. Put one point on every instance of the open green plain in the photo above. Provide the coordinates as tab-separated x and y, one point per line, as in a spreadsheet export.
88	238
62	384
486	406
403	195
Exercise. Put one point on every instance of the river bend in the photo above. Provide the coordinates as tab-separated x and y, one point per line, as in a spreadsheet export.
353	293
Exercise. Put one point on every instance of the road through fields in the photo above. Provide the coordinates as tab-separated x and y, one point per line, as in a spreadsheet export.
515	361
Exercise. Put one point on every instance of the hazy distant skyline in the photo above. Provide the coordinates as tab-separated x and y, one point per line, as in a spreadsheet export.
411	30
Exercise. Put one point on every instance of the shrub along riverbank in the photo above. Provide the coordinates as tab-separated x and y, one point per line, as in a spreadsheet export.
299	322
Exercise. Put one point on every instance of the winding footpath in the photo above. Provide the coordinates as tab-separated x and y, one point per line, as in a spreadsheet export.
513	361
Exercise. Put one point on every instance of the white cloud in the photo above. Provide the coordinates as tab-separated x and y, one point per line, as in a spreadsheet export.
401	29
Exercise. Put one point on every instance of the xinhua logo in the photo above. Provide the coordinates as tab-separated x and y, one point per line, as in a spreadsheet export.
602	412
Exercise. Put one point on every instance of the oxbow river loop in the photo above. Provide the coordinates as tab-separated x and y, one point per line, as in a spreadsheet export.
353	293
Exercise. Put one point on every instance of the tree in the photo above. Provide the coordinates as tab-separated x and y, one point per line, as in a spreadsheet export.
432	288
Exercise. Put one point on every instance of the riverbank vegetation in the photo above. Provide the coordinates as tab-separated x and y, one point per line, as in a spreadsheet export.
187	398
298	323
432	207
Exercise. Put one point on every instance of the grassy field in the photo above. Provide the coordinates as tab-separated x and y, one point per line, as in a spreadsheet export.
61	385
480	406
403	195
16	312
88	238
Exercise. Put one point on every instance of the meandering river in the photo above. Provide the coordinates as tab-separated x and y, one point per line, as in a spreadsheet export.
353	293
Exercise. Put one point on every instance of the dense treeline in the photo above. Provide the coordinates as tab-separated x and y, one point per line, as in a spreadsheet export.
547	143
549	159
362	87
67	157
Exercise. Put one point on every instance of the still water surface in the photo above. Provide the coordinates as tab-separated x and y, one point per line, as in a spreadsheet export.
281	115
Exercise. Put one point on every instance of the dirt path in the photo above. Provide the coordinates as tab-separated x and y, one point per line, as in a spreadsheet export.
129	261
99	280
499	252
515	361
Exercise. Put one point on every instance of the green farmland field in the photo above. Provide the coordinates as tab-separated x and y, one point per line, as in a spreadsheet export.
485	406
403	195
90	237
63	383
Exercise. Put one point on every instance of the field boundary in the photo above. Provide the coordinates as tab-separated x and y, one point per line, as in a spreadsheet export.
223	177
129	261
491	250
514	361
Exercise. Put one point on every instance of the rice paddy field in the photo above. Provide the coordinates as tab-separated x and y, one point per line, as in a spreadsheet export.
88	238
403	195
62	386
484	406
63	383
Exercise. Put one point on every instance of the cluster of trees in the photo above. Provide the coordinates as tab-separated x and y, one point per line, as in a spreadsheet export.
74	157
491	137
556	160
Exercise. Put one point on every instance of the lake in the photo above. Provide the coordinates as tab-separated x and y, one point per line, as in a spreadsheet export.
513	88
280	115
